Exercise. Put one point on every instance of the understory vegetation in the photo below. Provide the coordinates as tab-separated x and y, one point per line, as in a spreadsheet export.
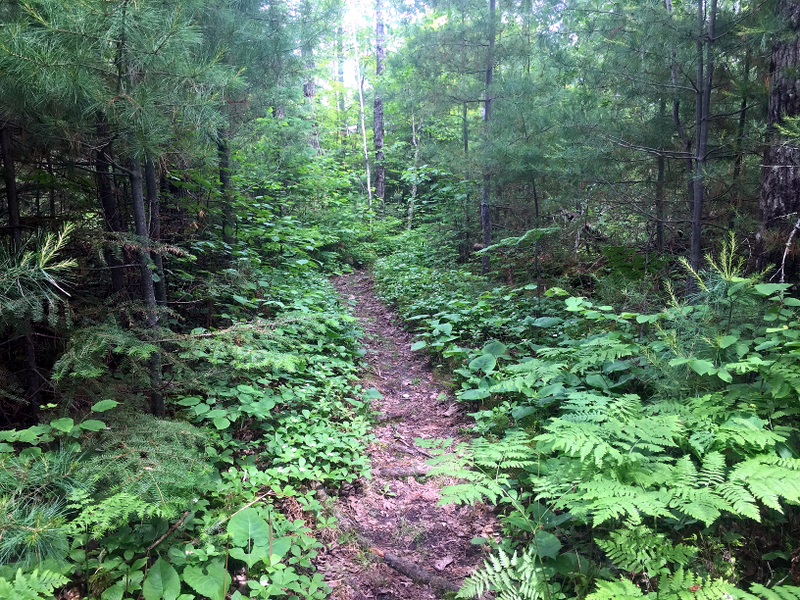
587	211
630	454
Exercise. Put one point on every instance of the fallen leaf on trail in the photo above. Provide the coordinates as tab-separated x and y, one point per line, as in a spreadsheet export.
442	563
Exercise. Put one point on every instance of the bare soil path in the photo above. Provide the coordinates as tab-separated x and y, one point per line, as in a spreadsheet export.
395	514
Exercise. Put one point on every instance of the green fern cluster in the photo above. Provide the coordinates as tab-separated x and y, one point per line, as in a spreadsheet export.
683	585
485	466
36	585
615	460
519	576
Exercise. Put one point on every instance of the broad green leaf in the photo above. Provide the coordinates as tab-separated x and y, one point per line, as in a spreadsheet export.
419	345
767	289
281	546
259	553
372	394
475	394
162	582
93	425
64	425
114	592
701	367
248	525
213	582
485	363
547	545
221	423
495	348
547	322
728	340
104	405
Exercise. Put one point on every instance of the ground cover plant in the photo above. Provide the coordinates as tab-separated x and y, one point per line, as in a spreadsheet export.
118	504
651	447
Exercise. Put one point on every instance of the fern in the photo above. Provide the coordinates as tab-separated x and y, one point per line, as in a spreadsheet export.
639	549
36	585
686	586
487	466
511	577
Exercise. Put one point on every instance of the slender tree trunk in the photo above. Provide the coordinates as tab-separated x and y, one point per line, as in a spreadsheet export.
363	123
147	287
467	208
153	202
779	200
224	157
108	203
686	141
340	76
10	178
416	131
537	265
739	146
705	76
51	192
662	108
486	217
377	116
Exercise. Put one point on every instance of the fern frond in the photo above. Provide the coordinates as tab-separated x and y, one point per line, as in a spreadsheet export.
770	478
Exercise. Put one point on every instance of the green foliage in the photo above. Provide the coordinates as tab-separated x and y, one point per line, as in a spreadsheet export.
29	281
516	577
35	585
642	427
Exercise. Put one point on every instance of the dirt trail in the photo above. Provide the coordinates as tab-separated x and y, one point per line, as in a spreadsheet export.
395	513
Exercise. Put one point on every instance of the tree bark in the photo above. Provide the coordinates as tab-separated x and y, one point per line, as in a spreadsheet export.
147	287
705	75
780	174
224	157
377	116
153	202
108	203
340	77
416	131
486	218
363	123
10	178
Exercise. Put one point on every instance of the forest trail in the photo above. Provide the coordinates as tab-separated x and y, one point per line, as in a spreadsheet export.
395	514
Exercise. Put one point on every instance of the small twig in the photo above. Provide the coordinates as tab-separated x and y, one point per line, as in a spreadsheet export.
169	531
786	251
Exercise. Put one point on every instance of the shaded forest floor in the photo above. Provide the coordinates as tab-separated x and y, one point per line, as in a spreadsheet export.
395	515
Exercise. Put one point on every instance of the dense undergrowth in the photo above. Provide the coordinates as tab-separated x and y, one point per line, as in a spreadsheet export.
630	454
217	500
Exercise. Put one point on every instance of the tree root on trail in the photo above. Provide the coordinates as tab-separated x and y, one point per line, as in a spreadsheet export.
411	570
400	565
403	472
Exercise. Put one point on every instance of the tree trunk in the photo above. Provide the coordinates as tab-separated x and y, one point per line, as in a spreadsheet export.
340	77
780	175
224	157
377	117
10	178
415	139
705	75
147	287
153	202
486	218
108	203
363	123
